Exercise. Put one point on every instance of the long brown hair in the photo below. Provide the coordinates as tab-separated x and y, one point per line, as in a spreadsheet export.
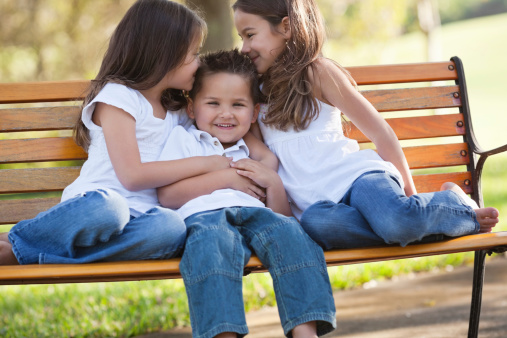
153	38
287	84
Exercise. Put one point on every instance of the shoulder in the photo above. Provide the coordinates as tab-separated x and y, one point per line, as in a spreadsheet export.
118	96
180	144
329	78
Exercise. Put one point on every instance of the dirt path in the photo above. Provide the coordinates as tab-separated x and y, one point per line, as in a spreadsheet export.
426	305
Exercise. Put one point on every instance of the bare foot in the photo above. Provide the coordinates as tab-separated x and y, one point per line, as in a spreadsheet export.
6	255
3	237
487	217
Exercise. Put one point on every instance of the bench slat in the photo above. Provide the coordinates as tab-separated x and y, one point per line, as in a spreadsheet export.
420	127
414	98
37	179
59	149
35	119
74	90
38	150
415	72
437	156
432	182
51	91
167	269
64	117
14	210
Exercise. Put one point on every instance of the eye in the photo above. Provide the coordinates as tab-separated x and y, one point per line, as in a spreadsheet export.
212	103
238	105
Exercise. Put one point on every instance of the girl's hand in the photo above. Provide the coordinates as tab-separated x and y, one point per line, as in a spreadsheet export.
244	184
264	176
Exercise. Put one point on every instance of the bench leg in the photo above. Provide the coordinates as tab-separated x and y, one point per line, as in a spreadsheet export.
475	306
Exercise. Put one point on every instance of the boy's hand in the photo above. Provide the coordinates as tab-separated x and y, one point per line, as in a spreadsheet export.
217	162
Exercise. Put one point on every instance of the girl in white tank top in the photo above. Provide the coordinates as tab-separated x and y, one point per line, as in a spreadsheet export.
301	123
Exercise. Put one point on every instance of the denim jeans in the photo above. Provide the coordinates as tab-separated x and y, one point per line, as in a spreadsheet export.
376	211
220	243
97	226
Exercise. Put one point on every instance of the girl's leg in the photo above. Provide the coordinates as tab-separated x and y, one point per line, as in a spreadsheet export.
157	234
6	255
400	219
81	221
212	269
296	264
338	226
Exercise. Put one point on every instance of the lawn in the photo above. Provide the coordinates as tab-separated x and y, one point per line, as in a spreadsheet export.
133	308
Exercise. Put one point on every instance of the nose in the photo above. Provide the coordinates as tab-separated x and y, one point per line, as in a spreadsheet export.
226	113
245	48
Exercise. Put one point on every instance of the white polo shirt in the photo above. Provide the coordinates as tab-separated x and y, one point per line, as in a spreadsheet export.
192	142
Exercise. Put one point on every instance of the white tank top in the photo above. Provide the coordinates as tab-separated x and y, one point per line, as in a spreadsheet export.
320	163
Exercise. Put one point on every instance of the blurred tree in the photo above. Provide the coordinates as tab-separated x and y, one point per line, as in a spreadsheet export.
55	39
218	16
65	39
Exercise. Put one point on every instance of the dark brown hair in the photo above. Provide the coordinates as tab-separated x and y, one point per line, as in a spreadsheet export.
231	62
152	39
287	82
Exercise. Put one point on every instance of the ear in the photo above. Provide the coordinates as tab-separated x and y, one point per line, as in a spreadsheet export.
190	109
285	28
257	108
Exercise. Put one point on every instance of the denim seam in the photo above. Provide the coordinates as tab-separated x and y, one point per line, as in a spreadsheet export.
295	267
310	317
242	330
213	272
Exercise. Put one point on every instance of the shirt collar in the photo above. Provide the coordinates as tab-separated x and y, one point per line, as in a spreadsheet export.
202	136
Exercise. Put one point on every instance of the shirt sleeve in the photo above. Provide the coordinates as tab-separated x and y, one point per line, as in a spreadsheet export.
116	95
180	144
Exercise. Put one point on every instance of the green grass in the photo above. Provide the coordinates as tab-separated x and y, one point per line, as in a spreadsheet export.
134	308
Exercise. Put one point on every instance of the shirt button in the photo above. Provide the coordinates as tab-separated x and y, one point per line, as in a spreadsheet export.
216	143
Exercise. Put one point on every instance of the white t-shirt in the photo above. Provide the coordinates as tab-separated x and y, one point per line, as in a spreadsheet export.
320	163
192	142
151	133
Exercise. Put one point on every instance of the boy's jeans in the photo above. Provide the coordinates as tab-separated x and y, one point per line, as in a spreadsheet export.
97	226
220	243
375	211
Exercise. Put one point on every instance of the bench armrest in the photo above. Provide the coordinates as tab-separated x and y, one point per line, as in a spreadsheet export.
493	151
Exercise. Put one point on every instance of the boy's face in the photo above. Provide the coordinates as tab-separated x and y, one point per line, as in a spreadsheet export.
224	107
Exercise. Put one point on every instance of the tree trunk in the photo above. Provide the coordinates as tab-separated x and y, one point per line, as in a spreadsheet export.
218	16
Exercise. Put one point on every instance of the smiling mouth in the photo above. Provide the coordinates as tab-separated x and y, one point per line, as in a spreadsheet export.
223	125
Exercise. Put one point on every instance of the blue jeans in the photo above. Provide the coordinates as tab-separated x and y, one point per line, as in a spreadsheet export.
220	243
97	226
376	211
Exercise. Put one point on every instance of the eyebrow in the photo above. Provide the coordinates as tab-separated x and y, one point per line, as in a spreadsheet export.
243	31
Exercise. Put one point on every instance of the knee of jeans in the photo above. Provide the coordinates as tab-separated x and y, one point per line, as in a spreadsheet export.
109	206
168	228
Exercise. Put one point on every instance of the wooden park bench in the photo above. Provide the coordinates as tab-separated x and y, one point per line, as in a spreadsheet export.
38	155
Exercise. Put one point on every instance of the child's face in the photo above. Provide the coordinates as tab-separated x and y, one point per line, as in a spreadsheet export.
224	107
183	76
261	43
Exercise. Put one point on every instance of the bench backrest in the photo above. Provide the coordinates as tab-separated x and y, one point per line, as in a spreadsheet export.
425	103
